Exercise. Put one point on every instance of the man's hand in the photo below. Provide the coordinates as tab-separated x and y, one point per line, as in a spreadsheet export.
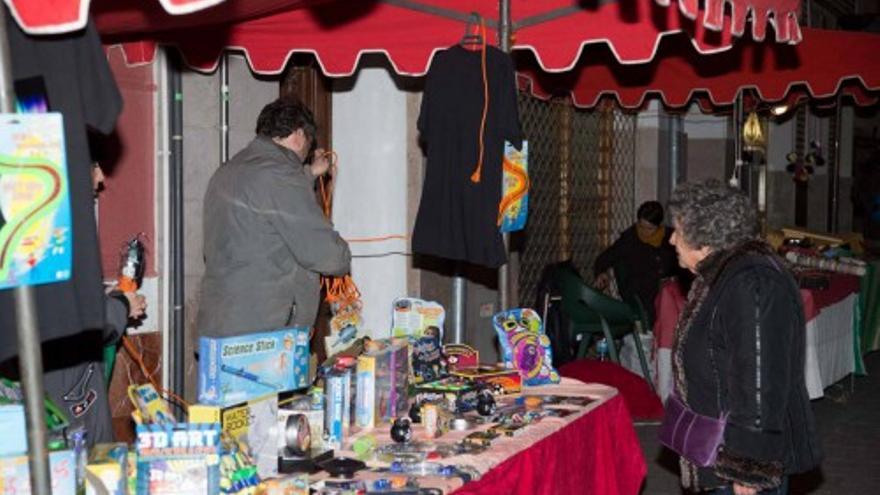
602	281
137	305
321	164
743	490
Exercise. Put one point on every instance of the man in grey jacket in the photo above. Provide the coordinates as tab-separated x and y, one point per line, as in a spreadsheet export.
266	239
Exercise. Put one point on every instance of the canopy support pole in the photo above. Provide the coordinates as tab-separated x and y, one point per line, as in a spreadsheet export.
30	358
504	272
177	366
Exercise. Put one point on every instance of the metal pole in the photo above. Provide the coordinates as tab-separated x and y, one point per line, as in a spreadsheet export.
224	107
504	45
459	301
675	131
834	173
30	358
178	327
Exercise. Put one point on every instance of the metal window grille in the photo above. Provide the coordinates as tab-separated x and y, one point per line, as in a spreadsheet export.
581	170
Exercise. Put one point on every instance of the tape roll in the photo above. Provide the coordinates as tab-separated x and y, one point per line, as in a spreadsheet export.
297	435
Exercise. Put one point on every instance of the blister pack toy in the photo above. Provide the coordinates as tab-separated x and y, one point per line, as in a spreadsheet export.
525	346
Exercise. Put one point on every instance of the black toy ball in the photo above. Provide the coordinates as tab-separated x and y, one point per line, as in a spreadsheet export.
401	430
486	404
415	413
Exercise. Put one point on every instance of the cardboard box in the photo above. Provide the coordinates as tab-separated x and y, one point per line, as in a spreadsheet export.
508	381
108	469
181	459
365	407
15	474
12	430
233	370
255	424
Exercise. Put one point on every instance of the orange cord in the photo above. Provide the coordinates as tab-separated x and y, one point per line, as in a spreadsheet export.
475	177
138	358
341	291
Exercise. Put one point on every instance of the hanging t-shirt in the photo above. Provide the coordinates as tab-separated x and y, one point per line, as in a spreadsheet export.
79	84
457	218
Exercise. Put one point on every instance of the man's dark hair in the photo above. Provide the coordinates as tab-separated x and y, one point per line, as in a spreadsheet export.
652	211
283	117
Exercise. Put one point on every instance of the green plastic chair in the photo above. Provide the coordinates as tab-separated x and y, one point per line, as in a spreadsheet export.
592	314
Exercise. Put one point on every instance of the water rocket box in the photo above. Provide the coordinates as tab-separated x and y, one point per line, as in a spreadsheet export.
237	369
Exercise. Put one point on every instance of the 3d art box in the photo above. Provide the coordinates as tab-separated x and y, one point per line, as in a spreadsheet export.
236	369
181	459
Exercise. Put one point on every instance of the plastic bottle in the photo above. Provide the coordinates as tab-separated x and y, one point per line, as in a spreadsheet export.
602	349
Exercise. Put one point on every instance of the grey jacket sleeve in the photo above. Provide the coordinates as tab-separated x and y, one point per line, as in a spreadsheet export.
116	307
290	206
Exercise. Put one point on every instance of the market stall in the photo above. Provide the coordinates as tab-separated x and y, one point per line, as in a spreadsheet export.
188	458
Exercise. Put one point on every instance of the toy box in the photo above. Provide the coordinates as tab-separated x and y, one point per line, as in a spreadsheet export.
107	470
12	430
255	424
15	474
391	369
236	369
365	406
503	380
182	459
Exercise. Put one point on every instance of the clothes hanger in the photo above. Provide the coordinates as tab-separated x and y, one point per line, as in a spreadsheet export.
473	34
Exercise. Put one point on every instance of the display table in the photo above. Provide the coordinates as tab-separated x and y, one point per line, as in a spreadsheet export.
594	450
832	337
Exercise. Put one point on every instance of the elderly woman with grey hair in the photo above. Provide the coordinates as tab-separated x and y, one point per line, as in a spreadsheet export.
739	348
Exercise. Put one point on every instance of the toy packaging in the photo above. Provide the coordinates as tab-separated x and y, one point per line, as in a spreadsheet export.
15	474
293	484
107	470
460	356
525	346
255	424
365	406
236	369
392	378
505	380
182	459
413	317
514	206
336	403
12	430
426	359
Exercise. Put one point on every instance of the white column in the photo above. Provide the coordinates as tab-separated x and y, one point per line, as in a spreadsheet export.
369	137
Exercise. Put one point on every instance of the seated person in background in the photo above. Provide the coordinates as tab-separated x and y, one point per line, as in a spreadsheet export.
641	257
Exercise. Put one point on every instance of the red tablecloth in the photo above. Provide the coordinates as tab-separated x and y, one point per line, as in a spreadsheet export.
598	453
670	302
839	288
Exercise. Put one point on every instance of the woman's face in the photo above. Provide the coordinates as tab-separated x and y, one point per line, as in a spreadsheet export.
688	257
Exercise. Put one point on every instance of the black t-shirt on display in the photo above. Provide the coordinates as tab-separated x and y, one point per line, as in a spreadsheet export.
81	87
457	218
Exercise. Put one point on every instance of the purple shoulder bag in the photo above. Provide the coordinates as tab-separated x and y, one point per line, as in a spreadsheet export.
692	435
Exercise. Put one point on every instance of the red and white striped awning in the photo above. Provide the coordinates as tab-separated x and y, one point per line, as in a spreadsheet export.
409	32
825	64
62	16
